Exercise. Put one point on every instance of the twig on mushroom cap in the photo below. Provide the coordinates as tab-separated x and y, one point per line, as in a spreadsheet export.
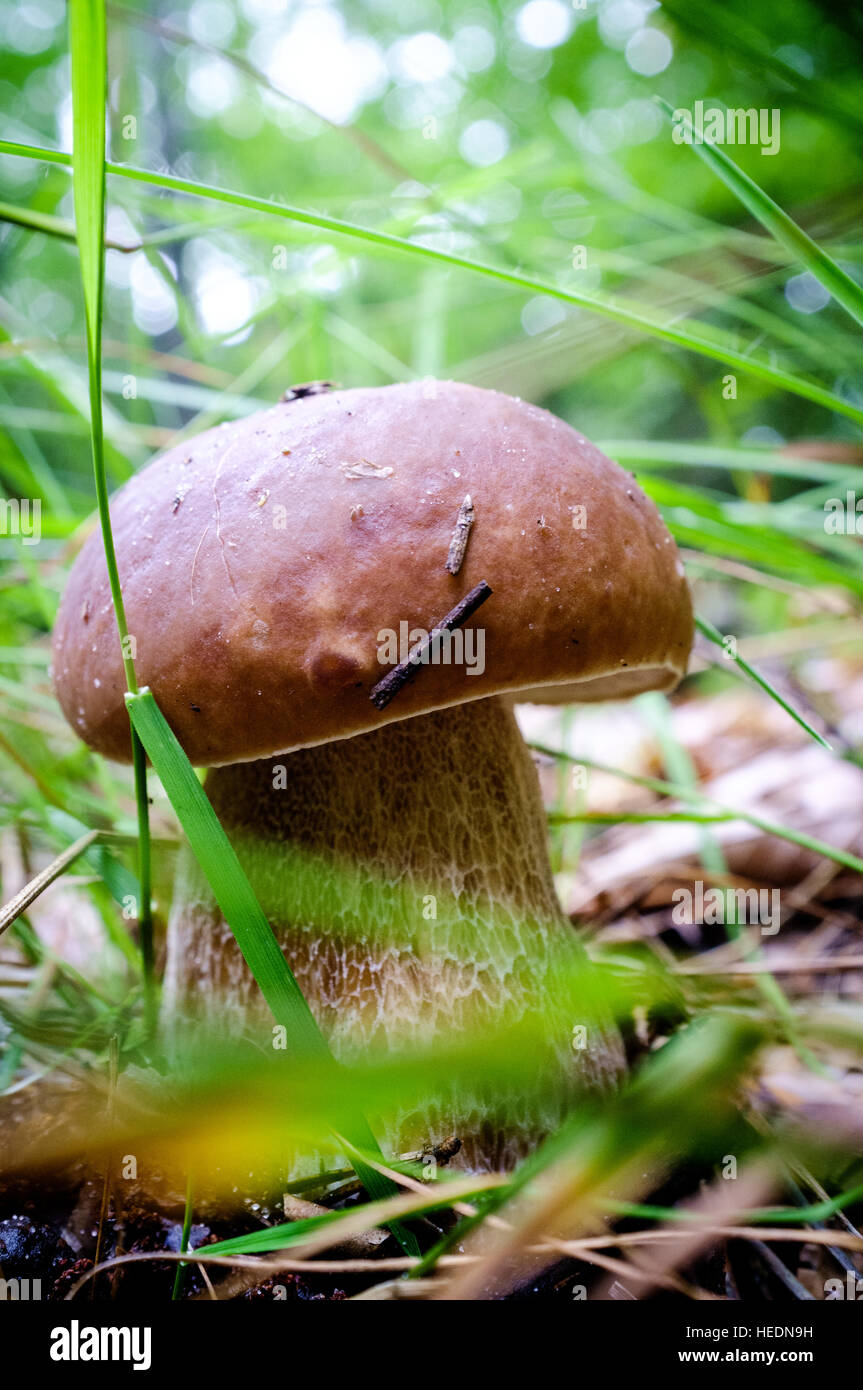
398	677
309	388
458	544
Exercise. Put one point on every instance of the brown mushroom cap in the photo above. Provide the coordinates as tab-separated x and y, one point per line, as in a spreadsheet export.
261	560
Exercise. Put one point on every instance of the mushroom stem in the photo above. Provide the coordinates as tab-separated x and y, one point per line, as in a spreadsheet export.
406	876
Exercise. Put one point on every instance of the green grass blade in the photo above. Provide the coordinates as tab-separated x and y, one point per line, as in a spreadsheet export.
292	1233
145	895
624	315
271	1238
88	43
48	224
777	222
673	789
768	1216
706	628
180	1274
732	36
709	522
698	454
34	221
89	91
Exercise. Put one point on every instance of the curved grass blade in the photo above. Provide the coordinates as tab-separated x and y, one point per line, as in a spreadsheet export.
706	628
31	891
706	522
336	1226
768	1216
624	315
697	454
180	1274
88	43
680	793
777	222
48	224
725	29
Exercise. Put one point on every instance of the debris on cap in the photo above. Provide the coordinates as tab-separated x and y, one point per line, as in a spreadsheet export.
309	388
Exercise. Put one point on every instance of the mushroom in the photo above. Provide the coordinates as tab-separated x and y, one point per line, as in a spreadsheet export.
274	569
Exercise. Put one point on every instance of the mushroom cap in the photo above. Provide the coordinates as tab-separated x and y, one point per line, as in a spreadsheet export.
262	561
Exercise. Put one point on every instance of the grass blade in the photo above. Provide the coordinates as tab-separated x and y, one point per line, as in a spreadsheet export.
31	891
777	222
88	43
624	315
713	634
46	223
679	793
180	1273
